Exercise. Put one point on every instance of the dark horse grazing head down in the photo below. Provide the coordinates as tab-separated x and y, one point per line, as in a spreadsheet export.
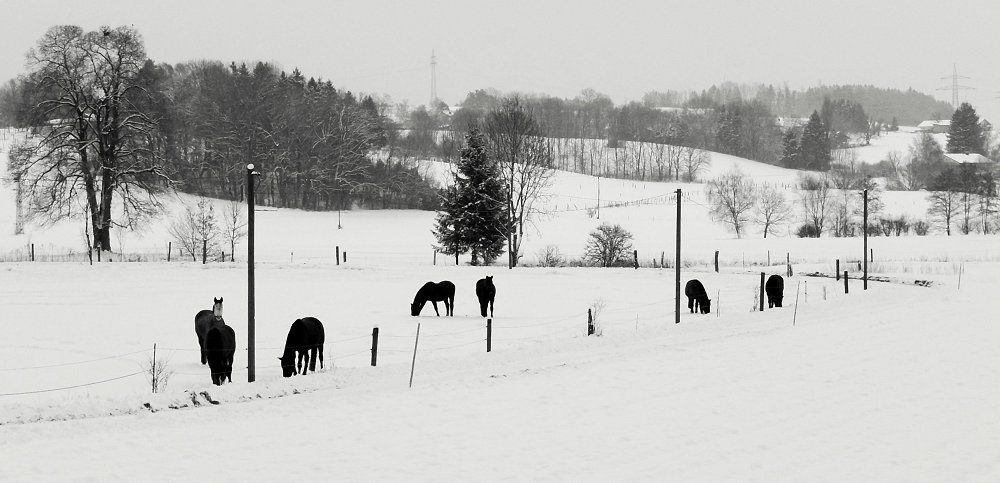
305	337
697	297
486	292
204	321
220	344
775	290
435	292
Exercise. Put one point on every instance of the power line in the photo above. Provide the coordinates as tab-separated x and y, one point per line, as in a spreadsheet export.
71	387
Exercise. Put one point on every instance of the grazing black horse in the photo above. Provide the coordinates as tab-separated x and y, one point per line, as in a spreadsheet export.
435	292
774	287
486	291
204	321
697	297
220	344
306	335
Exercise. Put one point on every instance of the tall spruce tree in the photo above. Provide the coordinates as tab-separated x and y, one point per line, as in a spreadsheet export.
965	134
790	149
814	148
473	216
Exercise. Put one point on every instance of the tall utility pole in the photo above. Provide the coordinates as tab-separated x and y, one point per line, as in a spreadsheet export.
864	230
954	87
251	324
434	82
677	265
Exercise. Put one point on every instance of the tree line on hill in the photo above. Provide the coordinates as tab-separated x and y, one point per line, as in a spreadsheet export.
111	129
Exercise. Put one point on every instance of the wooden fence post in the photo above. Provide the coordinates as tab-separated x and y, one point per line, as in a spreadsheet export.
837	271
345	256
847	289
338	254
204	251
374	345
761	291
635	257
788	262
716	261
170	248
590	322
435	256
32	252
489	335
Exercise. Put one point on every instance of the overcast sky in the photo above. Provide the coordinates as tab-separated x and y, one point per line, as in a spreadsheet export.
622	48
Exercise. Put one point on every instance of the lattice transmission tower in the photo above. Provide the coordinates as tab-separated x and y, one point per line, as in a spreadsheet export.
954	87
434	82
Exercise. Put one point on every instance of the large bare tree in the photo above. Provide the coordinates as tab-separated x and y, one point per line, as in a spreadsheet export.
517	143
90	155
732	196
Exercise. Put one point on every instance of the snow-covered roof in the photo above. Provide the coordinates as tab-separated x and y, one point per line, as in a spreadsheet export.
931	124
973	158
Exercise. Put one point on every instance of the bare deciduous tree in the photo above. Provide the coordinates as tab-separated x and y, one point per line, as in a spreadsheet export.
732	196
771	209
93	140
814	194
196	228
694	161
517	144
235	227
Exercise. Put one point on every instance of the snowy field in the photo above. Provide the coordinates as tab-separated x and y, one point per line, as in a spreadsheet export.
897	383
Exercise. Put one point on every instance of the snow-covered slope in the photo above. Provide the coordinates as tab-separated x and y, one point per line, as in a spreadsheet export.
886	384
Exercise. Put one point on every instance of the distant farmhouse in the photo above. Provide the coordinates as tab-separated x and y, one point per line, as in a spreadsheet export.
937	126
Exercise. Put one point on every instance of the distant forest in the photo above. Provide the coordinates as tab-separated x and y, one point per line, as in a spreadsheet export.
196	125
908	107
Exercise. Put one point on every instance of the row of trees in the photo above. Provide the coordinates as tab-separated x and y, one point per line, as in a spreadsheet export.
112	128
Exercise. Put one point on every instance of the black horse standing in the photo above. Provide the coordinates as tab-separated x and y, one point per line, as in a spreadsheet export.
305	337
220	344
435	292
486	292
774	287
697	297
204	321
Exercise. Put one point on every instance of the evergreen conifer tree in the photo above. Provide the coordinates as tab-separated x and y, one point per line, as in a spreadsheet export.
790	149
473	216
965	134
814	148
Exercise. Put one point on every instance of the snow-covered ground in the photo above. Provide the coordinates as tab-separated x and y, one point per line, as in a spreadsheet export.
898	142
894	383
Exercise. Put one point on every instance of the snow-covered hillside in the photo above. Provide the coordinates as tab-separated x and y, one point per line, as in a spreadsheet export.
892	383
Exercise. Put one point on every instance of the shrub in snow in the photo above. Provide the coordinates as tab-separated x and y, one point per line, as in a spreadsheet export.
550	256
609	246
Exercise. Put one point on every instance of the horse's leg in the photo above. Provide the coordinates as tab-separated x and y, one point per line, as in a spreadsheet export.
449	306
204	355
491	308
312	359
482	307
321	356
436	308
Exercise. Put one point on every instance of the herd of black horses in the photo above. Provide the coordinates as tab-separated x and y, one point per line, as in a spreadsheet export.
306	335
